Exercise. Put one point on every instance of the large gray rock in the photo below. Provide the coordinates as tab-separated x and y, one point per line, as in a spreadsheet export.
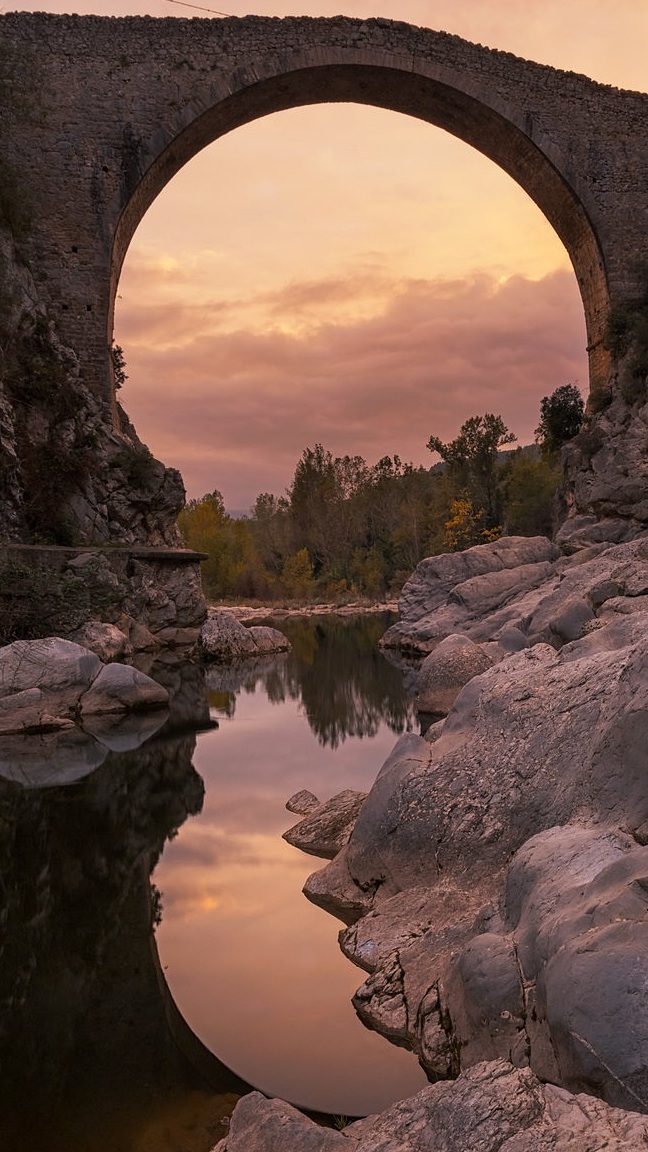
60	669
550	601
223	638
262	1125
437	576
544	738
49	684
107	641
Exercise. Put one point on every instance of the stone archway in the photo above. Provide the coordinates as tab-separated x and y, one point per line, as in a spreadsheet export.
429	99
124	103
133	99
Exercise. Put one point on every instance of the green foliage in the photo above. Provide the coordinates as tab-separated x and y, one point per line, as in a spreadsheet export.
139	466
297	575
345	528
119	365
529	486
472	460
561	417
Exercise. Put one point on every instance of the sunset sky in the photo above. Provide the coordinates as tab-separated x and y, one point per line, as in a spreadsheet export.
352	276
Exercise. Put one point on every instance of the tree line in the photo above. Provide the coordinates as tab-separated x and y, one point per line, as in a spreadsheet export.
347	527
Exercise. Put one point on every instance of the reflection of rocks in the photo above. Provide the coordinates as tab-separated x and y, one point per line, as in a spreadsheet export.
491	1108
246	674
47	684
86	1026
185	682
223	638
50	759
326	828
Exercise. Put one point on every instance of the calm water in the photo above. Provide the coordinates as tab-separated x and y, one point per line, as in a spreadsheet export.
105	1046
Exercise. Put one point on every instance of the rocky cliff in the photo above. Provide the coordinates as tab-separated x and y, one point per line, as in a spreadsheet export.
493	887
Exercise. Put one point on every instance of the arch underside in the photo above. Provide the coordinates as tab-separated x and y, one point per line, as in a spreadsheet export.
479	125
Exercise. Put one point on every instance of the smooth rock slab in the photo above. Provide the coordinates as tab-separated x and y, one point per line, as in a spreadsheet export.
62	670
120	688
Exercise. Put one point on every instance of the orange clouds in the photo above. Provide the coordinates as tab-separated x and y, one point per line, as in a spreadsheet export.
234	409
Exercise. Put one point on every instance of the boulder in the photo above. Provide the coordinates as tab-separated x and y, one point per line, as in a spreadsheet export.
446	670
107	641
49	684
326	829
120	688
262	1125
303	803
269	640
60	669
223	638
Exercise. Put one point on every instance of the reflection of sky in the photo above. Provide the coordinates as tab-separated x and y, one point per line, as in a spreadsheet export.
254	967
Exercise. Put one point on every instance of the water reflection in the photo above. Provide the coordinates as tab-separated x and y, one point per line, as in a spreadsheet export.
346	686
91	1056
254	967
95	1055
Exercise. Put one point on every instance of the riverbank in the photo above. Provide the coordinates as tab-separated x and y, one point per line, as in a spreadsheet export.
280	612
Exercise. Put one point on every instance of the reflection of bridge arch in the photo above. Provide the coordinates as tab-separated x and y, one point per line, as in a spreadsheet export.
133	99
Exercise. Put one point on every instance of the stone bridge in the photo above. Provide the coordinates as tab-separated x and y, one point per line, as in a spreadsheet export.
128	101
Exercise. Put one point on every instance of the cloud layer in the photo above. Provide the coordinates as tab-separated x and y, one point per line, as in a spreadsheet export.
233	408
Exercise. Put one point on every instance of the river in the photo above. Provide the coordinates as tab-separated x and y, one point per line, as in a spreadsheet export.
112	1039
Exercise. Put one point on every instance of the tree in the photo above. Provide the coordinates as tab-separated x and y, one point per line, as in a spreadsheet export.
465	527
472	461
529	486
561	416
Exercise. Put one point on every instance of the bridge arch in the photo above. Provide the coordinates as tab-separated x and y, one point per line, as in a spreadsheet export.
131	99
442	102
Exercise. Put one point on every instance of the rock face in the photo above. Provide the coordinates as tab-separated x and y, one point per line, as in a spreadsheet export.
53	683
493	882
494	885
491	1108
75	475
223	638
